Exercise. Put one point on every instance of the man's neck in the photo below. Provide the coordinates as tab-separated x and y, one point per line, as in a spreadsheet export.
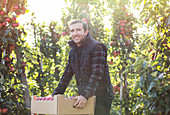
79	44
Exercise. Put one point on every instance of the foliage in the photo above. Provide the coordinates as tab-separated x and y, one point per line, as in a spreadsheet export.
153	64
12	65
123	42
139	62
43	58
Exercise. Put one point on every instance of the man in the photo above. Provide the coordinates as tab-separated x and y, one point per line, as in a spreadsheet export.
88	61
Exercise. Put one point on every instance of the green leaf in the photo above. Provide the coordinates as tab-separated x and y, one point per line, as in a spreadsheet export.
163	2
141	82
136	85
149	17
154	95
4	39
7	32
154	63
153	22
161	76
151	86
11	40
149	78
144	64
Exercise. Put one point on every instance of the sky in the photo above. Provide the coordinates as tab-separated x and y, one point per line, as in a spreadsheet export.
44	10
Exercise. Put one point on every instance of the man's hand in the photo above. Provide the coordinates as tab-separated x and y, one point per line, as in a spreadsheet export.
81	102
54	93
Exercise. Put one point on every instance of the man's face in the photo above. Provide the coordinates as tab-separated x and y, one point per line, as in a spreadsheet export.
77	33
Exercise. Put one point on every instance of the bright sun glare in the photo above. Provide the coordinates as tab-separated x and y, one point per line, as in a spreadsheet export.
44	10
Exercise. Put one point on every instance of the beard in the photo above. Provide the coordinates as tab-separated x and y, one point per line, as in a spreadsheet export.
78	40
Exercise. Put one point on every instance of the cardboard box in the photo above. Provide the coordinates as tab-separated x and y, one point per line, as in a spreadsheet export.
58	105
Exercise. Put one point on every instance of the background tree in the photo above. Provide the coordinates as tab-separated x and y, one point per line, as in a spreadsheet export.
122	50
153	64
138	60
14	93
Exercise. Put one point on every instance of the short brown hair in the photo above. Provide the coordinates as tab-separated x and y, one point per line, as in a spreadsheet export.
85	26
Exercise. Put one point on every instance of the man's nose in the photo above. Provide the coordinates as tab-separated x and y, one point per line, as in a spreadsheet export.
75	33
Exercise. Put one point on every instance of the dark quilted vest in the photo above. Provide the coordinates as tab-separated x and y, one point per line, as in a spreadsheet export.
83	69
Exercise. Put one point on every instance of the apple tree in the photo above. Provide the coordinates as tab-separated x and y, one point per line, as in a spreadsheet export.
43	57
14	93
153	63
122	55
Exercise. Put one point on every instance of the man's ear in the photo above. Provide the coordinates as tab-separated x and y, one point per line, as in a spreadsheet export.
86	32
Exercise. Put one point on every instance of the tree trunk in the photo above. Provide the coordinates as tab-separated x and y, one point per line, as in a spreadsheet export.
23	78
126	94
121	92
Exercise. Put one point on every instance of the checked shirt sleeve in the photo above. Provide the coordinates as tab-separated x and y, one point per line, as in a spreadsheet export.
98	64
65	80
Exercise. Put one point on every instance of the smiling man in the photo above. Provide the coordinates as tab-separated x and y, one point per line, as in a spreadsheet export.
88	61
78	33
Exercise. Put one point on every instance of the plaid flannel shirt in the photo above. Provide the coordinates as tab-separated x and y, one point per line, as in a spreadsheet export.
98	64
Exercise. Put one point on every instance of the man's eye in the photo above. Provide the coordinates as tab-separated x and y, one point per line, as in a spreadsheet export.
78	29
